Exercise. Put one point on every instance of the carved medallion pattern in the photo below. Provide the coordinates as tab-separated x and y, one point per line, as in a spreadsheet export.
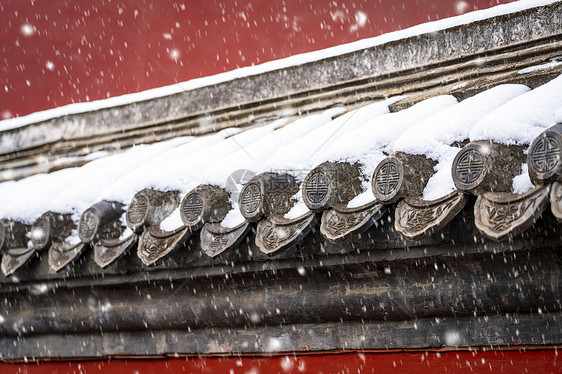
251	198
545	155
469	166
138	209
193	207
316	187
387	178
88	225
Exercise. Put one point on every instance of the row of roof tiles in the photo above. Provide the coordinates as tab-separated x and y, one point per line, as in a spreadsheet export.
285	205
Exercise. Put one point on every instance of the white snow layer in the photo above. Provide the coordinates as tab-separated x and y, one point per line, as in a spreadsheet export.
304	58
522	119
433	136
363	135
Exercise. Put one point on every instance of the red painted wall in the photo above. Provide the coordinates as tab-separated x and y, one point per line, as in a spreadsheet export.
55	52
541	361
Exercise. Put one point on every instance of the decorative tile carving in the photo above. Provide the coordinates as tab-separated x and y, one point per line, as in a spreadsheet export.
387	178
51	227
330	184
15	258
544	156
556	200
316	188
338	225
150	207
215	239
415	219
155	243
400	175
106	251
469	167
62	253
500	215
483	166
205	203
101	220
267	194
251	198
275	234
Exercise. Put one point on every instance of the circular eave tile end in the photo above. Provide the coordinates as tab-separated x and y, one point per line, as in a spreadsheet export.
192	210
317	190
388	179
138	210
251	201
41	233
469	166
88	226
544	157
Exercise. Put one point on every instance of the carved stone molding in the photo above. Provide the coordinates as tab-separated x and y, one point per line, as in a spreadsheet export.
544	156
337	225
203	204
415	218
330	184
556	200
500	215
483	166
106	251
101	220
400	175
62	253
267	194
275	234
150	207
215	239
155	243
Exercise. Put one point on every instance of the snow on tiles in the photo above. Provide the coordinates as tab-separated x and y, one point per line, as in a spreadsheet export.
522	119
433	136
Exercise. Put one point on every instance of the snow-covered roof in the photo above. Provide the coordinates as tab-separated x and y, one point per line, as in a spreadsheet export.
356	156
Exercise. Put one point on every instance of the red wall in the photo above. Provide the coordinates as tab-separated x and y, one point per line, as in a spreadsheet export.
542	362
55	52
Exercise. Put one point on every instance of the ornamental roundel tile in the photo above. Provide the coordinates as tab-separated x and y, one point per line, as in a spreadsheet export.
387	179
192	208
544	156
138	210
88	226
468	167
315	187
